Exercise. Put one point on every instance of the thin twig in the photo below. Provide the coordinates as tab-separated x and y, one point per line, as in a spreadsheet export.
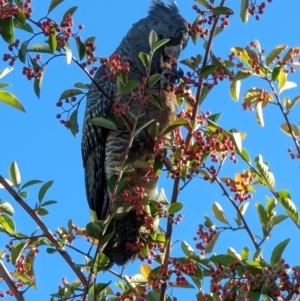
4	273
238	212
284	115
163	289
32	213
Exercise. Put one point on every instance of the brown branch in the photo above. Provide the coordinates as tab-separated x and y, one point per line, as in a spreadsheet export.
239	213
4	273
284	115
32	213
204	64
163	287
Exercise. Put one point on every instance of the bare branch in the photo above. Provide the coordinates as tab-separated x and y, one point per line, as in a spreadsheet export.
10	282
32	213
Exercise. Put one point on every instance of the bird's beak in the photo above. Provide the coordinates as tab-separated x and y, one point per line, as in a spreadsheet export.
173	51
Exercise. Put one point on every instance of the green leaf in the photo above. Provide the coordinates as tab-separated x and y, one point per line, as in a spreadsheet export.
145	58
130	86
175	124
47	203
7	31
21	17
286	129
24	194
232	252
68	51
223	259
43	190
237	140
41	48
73	124
7	208
152	38
245	254
157	165
5	71
235	85
276	71
14	174
7	224
203	2
254	293
262	216
284	199
244	14
219	213
278	219
51	250
83	86
53	4
25	27
158	44
175	207
4	85
214	117
103	122
141	127
246	156
23	52
210	246
208	222
274	53
106	239
37	84
222	10
69	93
156	101
42	211
30	183
281	78
112	182
265	173
207	70
277	252
293	103
11	100
243	55
187	249
93	230
17	250
70	11
152	80
81	49
52	41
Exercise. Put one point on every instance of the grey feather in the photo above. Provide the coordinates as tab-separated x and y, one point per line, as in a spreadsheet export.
103	150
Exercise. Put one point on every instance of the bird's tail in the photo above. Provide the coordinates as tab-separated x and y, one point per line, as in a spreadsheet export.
122	247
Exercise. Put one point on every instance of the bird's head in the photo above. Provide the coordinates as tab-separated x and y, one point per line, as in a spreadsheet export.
168	23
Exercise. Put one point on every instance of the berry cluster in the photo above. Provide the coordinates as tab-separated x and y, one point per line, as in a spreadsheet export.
279	281
11	57
113	67
136	294
207	17
257	9
8	10
241	185
205	236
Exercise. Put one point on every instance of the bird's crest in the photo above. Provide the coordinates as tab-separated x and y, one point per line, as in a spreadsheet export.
159	5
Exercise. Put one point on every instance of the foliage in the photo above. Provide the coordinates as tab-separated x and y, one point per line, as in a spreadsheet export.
200	150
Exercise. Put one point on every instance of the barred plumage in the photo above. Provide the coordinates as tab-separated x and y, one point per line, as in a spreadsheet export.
103	150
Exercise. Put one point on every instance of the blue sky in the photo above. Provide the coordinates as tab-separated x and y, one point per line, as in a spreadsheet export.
45	150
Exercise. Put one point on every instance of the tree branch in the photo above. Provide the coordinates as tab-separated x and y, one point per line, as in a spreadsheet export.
10	282
32	213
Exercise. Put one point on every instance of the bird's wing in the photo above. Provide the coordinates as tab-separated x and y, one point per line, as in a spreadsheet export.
93	146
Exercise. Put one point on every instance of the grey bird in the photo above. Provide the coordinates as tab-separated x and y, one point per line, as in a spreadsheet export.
103	150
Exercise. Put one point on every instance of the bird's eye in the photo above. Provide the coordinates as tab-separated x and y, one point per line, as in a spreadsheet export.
160	36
